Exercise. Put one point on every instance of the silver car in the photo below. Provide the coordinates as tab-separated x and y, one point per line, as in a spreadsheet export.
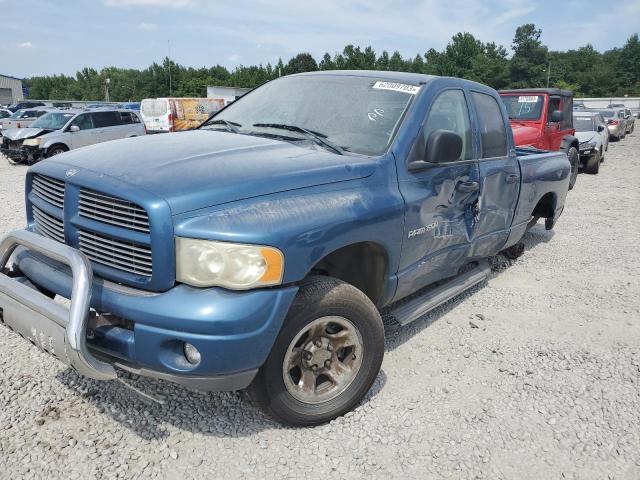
616	123
64	130
631	120
593	135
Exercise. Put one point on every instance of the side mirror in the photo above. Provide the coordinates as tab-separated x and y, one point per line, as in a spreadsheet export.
74	128
556	116
443	146
600	128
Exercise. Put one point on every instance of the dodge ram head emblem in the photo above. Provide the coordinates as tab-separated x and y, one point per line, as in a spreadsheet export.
71	172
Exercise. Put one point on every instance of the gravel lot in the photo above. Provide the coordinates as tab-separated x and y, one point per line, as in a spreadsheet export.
534	375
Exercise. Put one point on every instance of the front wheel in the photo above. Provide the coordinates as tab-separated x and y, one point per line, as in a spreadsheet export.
325	358
574	160
56	150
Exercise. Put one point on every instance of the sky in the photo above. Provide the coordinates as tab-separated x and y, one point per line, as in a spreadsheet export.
45	37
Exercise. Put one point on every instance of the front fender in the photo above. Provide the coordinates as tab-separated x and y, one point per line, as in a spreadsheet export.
308	225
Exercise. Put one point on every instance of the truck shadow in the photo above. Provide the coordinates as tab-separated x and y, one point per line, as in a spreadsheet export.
158	406
396	337
153	407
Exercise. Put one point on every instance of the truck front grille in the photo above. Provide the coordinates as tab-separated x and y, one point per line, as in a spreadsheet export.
49	189
48	225
102	248
115	211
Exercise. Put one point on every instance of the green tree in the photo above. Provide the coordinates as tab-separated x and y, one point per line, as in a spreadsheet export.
303	62
529	62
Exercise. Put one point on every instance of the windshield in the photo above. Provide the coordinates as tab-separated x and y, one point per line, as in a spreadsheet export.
153	107
53	120
583	124
608	114
523	107
345	113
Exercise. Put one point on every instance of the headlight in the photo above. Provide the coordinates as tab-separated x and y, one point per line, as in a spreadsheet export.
32	142
207	263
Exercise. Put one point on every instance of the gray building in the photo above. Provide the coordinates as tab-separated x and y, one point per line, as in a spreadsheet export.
10	90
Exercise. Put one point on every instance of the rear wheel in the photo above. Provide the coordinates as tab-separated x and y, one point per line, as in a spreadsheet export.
593	164
574	160
326	357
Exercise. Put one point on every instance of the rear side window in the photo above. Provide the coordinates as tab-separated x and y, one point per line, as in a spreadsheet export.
129	117
106	119
567	112
491	124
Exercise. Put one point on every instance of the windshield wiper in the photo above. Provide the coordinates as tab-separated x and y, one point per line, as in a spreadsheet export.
231	126
318	138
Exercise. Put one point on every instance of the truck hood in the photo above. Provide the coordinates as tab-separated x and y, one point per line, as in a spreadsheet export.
525	135
585	136
204	168
22	133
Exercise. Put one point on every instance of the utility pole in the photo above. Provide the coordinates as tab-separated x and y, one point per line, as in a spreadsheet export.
169	58
548	73
106	89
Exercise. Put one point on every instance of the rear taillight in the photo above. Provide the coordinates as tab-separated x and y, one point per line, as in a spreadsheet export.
171	126
19	126
612	122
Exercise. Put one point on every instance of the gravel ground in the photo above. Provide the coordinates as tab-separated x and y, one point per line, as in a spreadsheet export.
534	375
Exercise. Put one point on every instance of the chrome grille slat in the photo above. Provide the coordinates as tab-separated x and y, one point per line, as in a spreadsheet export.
115	211
115	259
103	241
47	225
49	189
115	253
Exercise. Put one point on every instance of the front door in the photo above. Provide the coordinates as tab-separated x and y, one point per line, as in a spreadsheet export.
554	130
83	137
440	201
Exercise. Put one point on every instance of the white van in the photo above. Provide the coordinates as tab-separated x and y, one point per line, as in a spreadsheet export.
176	114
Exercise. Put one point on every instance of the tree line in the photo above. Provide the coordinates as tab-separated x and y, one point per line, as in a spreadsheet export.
586	71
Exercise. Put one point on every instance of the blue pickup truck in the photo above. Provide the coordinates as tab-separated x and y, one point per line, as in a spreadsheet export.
268	248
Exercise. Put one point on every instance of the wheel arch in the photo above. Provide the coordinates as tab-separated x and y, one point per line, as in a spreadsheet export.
546	206
569	141
364	265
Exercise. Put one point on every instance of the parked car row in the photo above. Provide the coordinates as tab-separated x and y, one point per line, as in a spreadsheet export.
62	105
547	119
58	131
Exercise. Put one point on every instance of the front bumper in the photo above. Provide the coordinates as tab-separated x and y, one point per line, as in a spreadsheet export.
234	331
27	155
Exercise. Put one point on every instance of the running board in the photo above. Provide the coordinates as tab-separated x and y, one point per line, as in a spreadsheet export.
417	307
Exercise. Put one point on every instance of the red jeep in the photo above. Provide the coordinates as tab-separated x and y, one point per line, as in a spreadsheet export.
543	118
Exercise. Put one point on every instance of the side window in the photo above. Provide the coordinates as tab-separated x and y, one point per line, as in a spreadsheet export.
125	117
567	113
106	119
449	112
554	104
83	121
491	123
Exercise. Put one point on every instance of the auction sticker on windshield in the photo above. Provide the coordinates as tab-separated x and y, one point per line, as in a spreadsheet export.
396	87
527	99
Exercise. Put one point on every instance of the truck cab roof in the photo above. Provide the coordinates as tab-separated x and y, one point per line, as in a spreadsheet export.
548	91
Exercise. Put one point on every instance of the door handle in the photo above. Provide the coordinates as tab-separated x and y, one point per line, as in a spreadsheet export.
467	187
512	178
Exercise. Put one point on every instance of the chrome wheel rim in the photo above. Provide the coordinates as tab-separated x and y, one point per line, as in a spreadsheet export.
322	360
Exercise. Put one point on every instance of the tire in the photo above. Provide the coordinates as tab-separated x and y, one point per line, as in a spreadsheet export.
574	160
56	150
602	155
332	331
592	166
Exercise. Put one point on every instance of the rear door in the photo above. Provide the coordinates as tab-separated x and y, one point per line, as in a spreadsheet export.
107	126
499	176
439	200
155	114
